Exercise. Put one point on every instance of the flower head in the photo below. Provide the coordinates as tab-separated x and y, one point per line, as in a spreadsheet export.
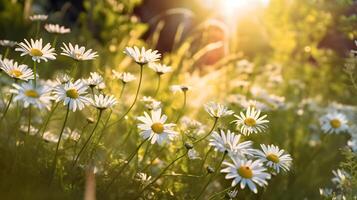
94	80
39	96
78	53
36	50
154	128
229	142
72	94
38	17
217	110
340	177
125	77
103	102
159	68
251	121
246	173
142	57
57	29
334	122
179	88
274	157
11	68
151	103
7	43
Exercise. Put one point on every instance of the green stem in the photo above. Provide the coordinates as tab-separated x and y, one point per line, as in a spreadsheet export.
183	107
128	160
75	146
57	147
87	141
212	176
122	89
6	52
218	193
158	85
34	73
54	41
7	107
206	156
29	122
204	137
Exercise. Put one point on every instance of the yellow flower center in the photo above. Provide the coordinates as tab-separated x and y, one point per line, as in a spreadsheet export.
36	52
78	55
16	73
245	172
72	93
274	158
250	121
335	123
157	127
31	93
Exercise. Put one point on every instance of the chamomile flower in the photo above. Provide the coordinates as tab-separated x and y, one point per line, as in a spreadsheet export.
326	192
63	78
125	77
142	56
78	52
340	177
50	137
274	157
72	94
94	80
179	88
159	68
246	173
217	110
39	96
334	122
36	50
251	121
151	103
154	128
11	68
57	29
229	142
352	143
193	155
38	17
103	102
7	43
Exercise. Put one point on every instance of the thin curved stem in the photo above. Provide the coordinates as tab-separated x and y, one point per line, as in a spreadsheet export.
122	89
87	141
206	156
48	120
58	143
218	193
7	107
158	85
135	99
125	165
183	107
204	137
212	176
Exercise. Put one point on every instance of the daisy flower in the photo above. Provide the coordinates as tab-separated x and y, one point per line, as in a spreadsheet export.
154	128
39	96
151	103
50	137
57	29
229	142
7	43
103	102
340	177
334	122
246	173
11	68
217	110
125	77
36	50
159	68
72	94
142	57
179	88
78	53
251	121
38	17
273	157
63	78
94	80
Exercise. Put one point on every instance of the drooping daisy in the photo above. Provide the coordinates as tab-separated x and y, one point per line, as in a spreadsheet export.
125	77
94	80
246	173
154	128
179	88
340	177
39	96
273	157
38	17
36	50
103	102
217	110
7	43
251	121
11	68
229	142
57	29
72	94
159	68
78	53
142	57
334	122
